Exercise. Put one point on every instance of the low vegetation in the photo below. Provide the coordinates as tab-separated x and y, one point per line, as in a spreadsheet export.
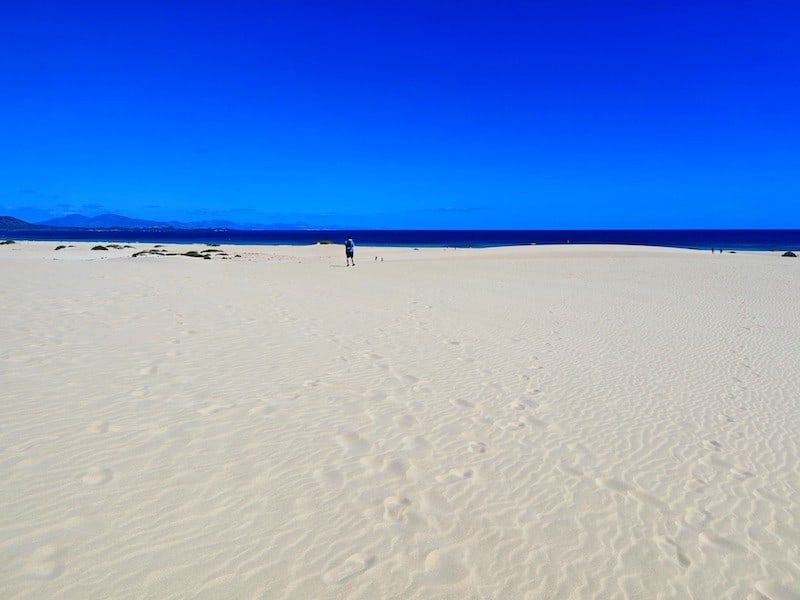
207	254
156	250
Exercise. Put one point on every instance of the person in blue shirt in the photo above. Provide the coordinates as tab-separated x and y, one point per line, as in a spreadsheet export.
349	247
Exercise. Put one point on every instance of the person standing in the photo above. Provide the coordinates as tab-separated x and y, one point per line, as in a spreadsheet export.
349	249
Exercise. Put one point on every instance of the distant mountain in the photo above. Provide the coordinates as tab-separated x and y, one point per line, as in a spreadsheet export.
213	224
112	221
13	224
107	221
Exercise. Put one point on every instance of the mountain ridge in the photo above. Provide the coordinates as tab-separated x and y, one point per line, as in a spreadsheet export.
115	221
9	223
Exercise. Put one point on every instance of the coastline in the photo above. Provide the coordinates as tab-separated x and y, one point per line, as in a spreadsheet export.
558	421
734	239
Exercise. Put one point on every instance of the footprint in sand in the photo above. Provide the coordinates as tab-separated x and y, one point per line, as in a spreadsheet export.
575	472
262	410
45	563
538	423
458	474
395	507
405	420
103	427
459	403
477	447
96	476
510	425
742	474
415	445
214	408
407	379
697	518
354	565
375	396
352	442
446	566
98	427
390	467
151	370
154	429
333	478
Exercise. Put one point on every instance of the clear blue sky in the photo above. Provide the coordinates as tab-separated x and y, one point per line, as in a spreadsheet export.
430	114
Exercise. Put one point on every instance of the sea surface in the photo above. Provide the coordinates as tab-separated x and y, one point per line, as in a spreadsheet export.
704	239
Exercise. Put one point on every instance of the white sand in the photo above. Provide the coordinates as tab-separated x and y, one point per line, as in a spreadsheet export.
539	422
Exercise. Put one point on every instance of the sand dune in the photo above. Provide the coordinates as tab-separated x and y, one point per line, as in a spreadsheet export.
538	422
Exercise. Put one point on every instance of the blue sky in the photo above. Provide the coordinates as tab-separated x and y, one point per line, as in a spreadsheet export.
436	114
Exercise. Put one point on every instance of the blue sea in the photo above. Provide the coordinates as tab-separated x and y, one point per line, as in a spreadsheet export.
704	239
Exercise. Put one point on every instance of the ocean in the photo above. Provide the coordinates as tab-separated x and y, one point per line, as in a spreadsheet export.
703	239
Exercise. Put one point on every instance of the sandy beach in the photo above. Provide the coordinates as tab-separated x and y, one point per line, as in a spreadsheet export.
503	423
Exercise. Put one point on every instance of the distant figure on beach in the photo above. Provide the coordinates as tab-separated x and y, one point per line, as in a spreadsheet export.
349	248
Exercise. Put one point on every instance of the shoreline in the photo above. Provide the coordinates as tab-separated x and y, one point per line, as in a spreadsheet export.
731	240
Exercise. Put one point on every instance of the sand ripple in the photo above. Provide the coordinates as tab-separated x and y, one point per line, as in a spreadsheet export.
519	423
